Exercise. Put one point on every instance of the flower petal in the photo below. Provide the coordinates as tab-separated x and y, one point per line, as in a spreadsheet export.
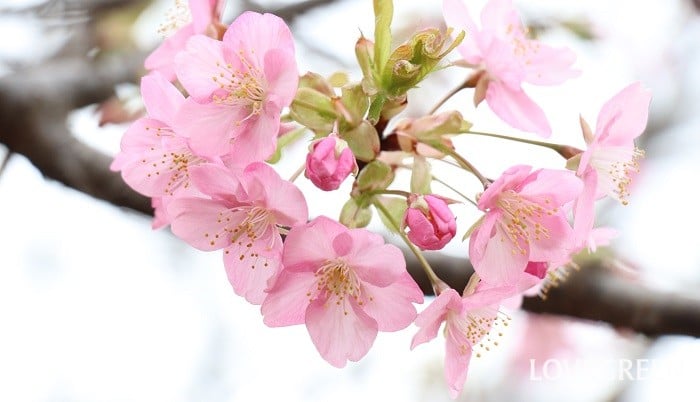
161	98
308	246
430	319
624	117
517	109
205	224
200	61
340	332
288	298
391	306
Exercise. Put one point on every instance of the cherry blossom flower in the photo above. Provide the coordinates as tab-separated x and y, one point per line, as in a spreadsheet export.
198	17
524	222
469	321
238	87
430	222
611	160
241	216
329	162
506	59
154	159
345	285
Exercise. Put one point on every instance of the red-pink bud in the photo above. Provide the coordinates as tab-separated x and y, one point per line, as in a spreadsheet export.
329	162
431	223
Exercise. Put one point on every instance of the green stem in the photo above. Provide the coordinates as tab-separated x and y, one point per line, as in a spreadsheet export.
434	279
555	147
389	192
297	173
446	98
465	164
455	190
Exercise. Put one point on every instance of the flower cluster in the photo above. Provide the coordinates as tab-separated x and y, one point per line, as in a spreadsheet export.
222	101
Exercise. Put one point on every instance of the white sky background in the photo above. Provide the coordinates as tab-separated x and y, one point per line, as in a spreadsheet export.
94	306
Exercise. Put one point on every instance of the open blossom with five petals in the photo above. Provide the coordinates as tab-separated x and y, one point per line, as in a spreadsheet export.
241	216
154	158
506	59
238	87
524	222
469	321
184	21
345	285
611	159
430	222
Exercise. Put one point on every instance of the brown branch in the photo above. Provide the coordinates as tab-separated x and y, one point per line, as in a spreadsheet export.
287	12
34	105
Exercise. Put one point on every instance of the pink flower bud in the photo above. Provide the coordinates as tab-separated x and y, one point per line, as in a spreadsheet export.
430	221
329	162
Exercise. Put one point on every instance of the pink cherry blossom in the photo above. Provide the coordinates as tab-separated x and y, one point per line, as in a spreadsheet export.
430	222
154	159
611	160
345	285
201	17
238	87
524	222
329	162
468	324
506	59
242	216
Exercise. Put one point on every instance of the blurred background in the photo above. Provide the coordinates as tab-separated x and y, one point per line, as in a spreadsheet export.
94	306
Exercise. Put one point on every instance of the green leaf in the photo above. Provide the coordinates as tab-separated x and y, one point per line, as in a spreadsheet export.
421	175
396	208
354	214
376	175
285	140
383	14
363	140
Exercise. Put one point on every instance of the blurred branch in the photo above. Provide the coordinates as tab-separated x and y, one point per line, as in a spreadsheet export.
287	12
34	105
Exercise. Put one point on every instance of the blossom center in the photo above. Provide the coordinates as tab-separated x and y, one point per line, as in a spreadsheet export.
479	328
615	167
336	281
522	219
243	86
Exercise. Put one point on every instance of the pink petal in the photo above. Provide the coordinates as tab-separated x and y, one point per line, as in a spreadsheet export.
210	127
379	265
161	98
288	298
214	180
457	16
202	12
500	16
509	180
281	196
250	269
499	262
391	306
202	223
558	186
308	246
282	76
549	66
340	332
256	34
517	109
258	136
430	319
624	117
202	59
584	207
558	245
457	357
163	57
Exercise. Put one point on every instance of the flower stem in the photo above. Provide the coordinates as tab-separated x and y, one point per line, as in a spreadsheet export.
465	164
454	190
434	279
564	150
389	192
298	173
